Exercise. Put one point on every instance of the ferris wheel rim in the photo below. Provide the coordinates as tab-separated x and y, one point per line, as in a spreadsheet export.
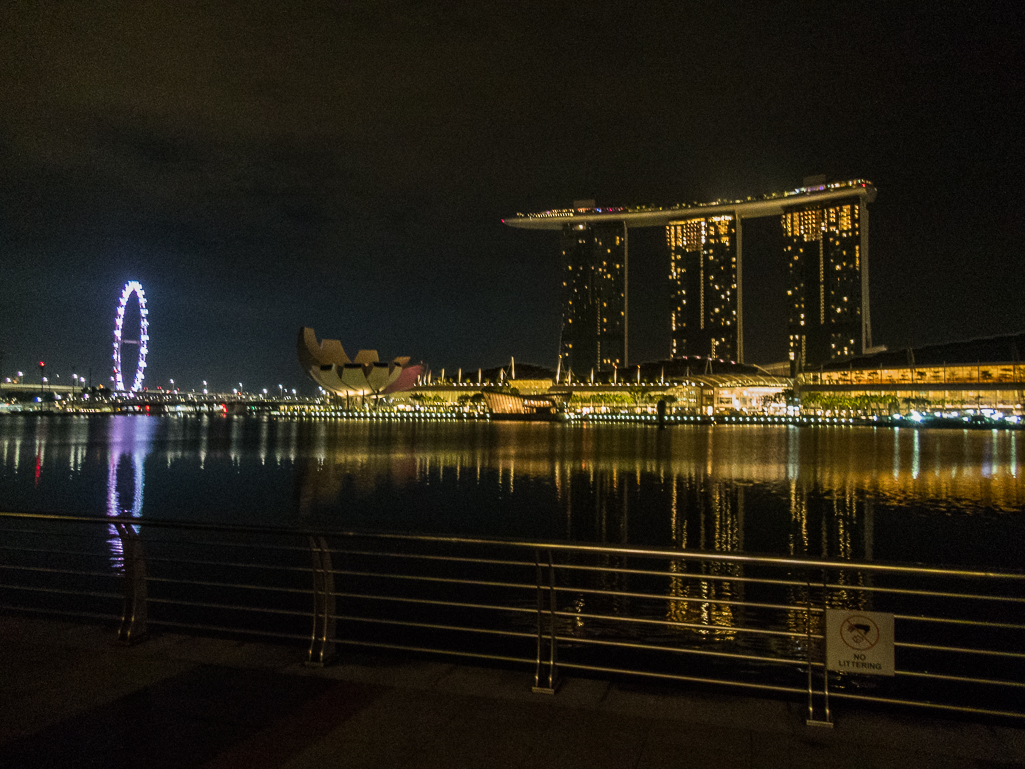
131	287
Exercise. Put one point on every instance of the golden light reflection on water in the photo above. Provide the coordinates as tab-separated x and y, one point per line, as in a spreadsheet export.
729	489
607	483
956	470
900	467
830	481
704	605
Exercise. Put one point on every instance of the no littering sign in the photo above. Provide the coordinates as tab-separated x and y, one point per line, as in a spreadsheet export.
859	642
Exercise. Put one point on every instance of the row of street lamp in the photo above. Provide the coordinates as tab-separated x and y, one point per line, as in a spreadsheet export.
82	382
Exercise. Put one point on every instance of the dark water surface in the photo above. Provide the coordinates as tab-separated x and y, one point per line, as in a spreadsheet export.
928	496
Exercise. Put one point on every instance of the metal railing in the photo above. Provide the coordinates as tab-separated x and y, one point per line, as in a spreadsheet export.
698	618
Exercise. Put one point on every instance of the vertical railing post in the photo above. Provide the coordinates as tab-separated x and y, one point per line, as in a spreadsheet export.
812	720
540	612
808	653
133	619
322	643
552	660
825	659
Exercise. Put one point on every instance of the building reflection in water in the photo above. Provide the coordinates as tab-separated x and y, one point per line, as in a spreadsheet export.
822	492
786	491
52	441
204	440
708	516
129	441
815	490
11	445
235	440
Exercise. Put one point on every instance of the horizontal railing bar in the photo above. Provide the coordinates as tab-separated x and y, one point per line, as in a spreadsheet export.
139	522
239	586
230	630
62	612
435	626
959	679
926	704
229	606
61	591
958	650
426	650
800	563
681	650
442	580
672	624
650	596
718	639
65	534
426	557
678	677
927	593
223	544
233	564
951	621
49	551
682	599
73	572
683	575
432	602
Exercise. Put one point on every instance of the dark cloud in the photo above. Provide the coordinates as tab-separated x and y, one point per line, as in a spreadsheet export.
262	165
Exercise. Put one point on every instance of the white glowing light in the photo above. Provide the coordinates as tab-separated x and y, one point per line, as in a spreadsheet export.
131	287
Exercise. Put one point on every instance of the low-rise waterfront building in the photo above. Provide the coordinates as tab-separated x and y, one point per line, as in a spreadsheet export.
976	374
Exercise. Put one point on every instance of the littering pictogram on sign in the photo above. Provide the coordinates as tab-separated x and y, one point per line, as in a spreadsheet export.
859	642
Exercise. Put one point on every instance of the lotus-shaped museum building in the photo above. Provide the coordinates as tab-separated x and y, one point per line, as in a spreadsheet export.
328	365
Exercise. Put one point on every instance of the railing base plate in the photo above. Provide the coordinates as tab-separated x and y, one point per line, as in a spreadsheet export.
132	640
318	663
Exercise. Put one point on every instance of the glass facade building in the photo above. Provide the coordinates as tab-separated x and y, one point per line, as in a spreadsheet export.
703	279
825	229
823	253
594	258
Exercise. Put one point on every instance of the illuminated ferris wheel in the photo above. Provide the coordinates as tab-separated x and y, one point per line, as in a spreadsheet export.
131	287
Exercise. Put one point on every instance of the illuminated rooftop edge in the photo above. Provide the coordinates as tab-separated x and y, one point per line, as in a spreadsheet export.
654	216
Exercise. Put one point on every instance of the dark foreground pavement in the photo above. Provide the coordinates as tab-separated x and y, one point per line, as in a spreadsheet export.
69	697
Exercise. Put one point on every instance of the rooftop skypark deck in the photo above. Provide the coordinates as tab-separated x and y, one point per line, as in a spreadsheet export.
656	216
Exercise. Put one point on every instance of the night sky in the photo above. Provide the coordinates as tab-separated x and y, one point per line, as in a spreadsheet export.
346	165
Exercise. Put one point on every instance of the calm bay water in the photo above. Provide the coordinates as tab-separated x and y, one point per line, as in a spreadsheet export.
939	497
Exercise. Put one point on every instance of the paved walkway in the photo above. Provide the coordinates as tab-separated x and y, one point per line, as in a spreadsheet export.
69	697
